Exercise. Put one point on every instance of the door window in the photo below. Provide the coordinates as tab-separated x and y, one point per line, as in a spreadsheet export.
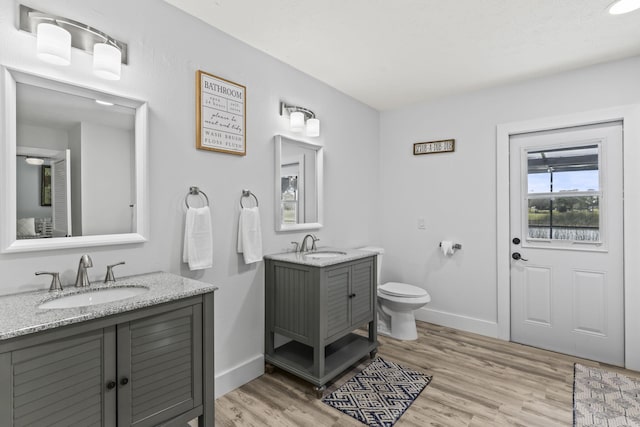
563	194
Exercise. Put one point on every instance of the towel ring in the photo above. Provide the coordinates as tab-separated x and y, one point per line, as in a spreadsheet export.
195	191
248	193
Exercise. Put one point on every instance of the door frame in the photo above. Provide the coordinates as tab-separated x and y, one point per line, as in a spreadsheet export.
630	116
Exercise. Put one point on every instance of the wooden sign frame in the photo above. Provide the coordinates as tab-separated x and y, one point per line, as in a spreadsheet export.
433	147
220	114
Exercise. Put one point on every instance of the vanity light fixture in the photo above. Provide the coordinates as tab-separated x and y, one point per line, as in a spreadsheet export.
56	35
35	161
620	7
301	118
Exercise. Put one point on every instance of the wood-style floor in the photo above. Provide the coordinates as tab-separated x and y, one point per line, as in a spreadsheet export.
477	381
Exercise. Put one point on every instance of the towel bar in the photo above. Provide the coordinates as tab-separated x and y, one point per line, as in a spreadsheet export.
195	191
248	193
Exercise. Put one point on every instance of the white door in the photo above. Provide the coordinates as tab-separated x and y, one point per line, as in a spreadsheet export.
567	241
61	195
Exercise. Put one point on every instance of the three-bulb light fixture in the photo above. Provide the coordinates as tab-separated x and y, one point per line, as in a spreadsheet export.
56	35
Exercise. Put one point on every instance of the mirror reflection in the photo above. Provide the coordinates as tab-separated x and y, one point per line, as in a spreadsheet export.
75	163
298	184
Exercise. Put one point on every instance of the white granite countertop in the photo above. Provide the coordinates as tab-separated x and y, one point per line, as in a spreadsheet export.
20	315
306	258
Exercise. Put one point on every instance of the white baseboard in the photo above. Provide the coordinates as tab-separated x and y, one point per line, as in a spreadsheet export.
463	323
239	375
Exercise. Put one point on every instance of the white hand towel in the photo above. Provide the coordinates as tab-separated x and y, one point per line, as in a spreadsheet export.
250	235
198	240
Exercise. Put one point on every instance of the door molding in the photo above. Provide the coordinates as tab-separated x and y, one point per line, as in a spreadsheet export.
630	116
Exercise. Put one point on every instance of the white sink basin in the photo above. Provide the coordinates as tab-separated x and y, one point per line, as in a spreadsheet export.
94	297
324	254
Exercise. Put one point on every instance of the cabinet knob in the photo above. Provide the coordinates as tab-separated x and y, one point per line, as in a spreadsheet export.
124	381
352	295
111	385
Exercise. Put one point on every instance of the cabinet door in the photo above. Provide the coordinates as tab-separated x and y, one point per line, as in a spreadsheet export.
64	382
362	287
159	367
338	308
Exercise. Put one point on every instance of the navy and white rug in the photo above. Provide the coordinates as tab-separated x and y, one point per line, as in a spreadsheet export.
379	394
604	398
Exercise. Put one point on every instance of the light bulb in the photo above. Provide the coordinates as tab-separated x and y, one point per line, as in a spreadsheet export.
53	44
107	61
624	6
296	121
313	127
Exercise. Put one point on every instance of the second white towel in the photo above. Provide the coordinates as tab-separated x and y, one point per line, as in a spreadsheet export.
250	235
198	240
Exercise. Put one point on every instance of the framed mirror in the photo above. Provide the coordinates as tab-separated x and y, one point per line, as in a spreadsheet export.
74	162
298	184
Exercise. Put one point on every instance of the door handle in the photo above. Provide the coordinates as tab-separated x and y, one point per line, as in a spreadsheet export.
518	257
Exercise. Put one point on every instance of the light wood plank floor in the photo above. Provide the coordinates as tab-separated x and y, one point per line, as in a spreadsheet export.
477	381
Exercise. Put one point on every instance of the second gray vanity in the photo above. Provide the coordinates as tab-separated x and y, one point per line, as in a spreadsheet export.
317	302
142	361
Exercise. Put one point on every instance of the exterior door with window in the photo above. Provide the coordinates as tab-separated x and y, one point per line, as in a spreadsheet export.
567	241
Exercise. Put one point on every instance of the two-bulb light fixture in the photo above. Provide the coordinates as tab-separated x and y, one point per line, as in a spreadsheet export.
56	35
301	119
620	7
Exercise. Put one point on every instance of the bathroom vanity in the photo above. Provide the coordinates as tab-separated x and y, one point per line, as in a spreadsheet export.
317	300
146	360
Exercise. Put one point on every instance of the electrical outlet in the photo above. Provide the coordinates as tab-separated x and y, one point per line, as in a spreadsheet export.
421	224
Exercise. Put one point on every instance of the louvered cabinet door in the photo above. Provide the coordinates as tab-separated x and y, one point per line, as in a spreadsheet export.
362	300
338	308
159	367
62	382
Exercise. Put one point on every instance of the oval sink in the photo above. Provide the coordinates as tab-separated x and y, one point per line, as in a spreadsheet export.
94	297
324	254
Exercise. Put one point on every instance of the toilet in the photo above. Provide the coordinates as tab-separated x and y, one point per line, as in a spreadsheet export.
396	304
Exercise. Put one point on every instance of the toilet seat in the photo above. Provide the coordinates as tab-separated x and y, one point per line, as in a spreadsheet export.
396	289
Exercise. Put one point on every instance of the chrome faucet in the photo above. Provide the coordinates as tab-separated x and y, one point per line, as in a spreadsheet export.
82	279
304	246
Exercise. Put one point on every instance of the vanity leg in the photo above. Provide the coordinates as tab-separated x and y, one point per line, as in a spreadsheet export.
319	391
269	368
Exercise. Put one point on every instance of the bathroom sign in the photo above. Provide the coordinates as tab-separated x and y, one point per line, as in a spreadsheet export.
220	114
432	147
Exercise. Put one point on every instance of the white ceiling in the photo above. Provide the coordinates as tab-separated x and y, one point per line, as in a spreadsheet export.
393	53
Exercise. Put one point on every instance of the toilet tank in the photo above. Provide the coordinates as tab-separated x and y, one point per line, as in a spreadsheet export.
380	252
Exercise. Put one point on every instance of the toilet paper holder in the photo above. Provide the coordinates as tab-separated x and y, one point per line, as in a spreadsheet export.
455	245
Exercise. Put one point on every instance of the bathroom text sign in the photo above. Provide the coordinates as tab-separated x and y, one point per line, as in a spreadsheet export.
432	147
221	114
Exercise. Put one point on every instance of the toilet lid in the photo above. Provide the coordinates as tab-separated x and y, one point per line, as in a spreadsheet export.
396	289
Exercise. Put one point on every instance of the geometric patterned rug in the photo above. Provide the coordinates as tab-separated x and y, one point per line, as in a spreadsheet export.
604	398
379	394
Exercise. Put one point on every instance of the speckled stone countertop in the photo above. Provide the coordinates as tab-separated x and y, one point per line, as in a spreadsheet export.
20	315
305	259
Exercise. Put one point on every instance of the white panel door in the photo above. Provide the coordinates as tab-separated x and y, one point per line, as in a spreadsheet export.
61	195
567	241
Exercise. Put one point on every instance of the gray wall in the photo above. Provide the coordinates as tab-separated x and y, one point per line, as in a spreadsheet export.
166	47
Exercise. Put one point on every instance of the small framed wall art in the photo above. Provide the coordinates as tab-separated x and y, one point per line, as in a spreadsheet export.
432	147
220	115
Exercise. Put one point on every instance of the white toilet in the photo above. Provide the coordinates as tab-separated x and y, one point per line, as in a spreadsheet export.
396	304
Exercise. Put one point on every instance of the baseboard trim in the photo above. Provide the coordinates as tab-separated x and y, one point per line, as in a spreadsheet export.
239	375
457	321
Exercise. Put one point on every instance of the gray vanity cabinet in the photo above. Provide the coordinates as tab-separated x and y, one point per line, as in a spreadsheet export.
318	309
139	368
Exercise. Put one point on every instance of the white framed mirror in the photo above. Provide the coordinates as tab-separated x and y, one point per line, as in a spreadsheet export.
298	184
74	163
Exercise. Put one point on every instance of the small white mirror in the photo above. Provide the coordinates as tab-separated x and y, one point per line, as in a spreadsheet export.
298	184
75	166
